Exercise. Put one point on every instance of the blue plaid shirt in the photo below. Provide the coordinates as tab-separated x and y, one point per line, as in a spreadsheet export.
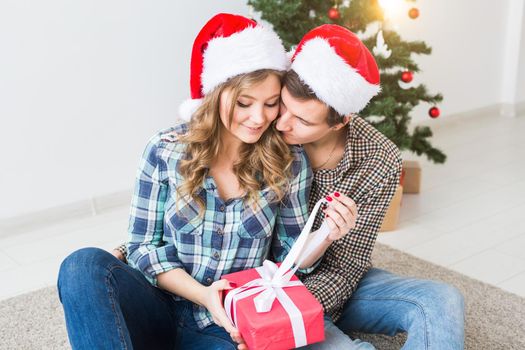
166	231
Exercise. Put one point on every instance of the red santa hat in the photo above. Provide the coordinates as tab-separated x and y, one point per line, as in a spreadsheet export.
338	68
229	45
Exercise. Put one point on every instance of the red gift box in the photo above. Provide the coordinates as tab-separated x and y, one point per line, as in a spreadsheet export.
273	329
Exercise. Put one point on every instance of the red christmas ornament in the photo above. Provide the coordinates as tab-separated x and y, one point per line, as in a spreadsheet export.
334	14
413	13
407	76
434	112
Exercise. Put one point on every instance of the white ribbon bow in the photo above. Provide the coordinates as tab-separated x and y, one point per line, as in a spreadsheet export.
273	279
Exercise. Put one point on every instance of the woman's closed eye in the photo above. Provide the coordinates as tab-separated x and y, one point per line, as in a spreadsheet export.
242	105
271	105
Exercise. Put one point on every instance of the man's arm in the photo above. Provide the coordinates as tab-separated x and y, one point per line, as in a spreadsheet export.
347	260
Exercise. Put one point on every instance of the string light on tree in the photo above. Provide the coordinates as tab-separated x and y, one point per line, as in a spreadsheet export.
391	8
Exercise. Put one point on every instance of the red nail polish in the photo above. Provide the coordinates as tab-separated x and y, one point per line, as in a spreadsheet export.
337	194
328	198
233	284
326	216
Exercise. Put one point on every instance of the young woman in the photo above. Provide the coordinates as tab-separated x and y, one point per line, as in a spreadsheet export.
208	196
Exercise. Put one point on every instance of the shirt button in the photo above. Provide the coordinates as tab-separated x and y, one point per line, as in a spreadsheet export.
220	231
221	208
208	281
216	255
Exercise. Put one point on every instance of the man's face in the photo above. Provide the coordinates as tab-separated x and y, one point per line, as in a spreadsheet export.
302	122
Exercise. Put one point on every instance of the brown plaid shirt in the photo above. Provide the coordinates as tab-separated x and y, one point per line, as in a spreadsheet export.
369	174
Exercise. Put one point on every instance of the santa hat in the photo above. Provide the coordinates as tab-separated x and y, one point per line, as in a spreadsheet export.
229	45
338	68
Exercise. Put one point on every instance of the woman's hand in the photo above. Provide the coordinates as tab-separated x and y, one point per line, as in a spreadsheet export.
340	215
212	300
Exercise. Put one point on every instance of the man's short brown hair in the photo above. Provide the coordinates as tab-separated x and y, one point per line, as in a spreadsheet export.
301	91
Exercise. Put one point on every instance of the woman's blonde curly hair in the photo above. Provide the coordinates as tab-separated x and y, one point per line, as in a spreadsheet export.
264	163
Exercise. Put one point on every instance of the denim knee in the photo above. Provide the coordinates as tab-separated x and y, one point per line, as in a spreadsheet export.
225	346
81	269
453	302
438	298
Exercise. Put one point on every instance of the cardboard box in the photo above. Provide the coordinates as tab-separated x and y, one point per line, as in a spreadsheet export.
273	329
411	176
392	215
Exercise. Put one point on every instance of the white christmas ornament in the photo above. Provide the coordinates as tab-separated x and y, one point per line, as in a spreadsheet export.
404	85
312	14
381	48
346	3
375	118
370	30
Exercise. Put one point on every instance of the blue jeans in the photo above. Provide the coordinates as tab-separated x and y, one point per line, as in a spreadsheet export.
335	339
109	305
430	312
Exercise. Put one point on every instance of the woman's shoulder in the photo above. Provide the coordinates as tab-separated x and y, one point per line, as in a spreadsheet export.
169	135
172	134
166	141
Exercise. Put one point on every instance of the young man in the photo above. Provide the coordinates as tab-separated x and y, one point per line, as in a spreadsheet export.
332	77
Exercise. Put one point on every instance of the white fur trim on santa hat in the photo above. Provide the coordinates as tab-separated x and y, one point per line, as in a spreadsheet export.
333	80
252	49
188	107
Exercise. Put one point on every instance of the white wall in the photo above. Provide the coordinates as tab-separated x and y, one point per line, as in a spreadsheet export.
520	88
83	85
467	40
511	56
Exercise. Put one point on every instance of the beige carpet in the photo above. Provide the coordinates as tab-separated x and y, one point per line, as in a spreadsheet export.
495	319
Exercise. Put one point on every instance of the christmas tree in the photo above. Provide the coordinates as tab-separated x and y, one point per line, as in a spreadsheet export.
389	111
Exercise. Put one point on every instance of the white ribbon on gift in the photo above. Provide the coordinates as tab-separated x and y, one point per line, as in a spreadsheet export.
274	279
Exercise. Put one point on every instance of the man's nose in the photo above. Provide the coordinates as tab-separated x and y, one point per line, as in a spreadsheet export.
283	123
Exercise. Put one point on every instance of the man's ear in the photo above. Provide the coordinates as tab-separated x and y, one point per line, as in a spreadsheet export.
346	120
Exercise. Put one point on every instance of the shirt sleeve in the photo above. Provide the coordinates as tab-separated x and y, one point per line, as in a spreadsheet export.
347	260
293	209
147	250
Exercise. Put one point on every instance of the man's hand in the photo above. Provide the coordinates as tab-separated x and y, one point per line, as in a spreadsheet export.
340	215
118	254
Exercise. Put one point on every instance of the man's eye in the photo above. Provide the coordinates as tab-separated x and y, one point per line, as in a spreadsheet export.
242	105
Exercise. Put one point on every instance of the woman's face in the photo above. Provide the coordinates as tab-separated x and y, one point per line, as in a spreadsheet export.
255	109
